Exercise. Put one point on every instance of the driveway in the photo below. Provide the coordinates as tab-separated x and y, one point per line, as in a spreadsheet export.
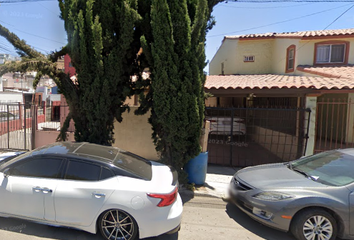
206	218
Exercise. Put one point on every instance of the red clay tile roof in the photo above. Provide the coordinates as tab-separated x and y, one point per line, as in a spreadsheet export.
270	81
303	34
346	71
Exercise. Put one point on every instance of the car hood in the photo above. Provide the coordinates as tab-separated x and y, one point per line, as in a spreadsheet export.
274	176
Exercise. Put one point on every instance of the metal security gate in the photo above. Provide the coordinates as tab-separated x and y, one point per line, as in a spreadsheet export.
334	124
250	136
15	126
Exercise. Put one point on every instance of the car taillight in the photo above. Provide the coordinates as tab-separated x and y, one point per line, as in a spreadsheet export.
212	120
166	199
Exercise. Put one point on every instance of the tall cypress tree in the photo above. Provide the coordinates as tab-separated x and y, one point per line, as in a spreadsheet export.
175	54
101	44
104	39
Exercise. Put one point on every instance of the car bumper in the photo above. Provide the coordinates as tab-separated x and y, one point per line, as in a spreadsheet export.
166	220
273	214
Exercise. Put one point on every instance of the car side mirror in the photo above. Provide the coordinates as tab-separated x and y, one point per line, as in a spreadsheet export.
6	172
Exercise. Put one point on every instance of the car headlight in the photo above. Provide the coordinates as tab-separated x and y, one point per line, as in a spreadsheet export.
272	196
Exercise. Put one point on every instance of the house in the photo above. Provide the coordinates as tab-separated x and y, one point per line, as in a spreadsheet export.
294	90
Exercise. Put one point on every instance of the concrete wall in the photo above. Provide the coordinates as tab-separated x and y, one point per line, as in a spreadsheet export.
47	137
134	135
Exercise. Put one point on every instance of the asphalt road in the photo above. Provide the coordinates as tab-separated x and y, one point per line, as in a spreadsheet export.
204	218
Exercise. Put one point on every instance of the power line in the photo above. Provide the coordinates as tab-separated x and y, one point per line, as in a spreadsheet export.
339	16
34	35
23	1
297	49
284	21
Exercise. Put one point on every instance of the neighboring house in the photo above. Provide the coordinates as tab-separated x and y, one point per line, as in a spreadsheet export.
271	80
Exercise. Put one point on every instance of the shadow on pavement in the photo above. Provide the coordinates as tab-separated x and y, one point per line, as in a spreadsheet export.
253	226
221	170
43	231
186	195
58	233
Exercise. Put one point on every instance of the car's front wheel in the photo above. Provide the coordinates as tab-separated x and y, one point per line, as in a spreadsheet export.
116	224
314	224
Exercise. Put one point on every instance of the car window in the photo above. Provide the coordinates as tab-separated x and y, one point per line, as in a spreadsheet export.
134	164
78	170
333	168
106	173
40	168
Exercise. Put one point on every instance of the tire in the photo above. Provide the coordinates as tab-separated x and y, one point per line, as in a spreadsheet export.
314	224
125	228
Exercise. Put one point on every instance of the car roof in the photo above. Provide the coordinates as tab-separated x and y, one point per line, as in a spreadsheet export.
80	149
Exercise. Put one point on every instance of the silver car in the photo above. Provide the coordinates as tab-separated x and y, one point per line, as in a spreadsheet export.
313	197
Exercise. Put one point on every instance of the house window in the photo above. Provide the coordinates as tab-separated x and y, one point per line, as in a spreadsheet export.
222	68
248	58
331	53
290	59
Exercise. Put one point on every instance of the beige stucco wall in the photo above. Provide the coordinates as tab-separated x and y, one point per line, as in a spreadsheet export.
306	50
134	135
279	54
263	52
270	55
226	54
47	137
232	52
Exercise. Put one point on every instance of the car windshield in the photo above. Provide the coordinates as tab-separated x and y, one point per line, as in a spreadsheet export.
134	164
334	168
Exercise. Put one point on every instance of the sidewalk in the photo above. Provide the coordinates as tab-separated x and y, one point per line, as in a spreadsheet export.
216	183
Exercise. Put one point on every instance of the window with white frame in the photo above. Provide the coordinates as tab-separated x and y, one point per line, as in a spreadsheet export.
330	53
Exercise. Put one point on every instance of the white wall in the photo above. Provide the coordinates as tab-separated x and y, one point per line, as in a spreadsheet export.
11	97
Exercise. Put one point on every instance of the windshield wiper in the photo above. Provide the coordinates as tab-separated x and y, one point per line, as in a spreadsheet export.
304	173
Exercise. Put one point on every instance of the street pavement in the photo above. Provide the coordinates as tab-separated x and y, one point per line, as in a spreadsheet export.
205	217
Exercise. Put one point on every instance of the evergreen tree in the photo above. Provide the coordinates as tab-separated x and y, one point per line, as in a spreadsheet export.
174	47
103	46
104	42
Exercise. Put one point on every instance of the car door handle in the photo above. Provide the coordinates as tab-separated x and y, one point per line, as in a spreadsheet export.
99	195
37	189
47	190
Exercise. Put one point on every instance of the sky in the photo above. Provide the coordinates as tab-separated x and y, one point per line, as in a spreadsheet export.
38	22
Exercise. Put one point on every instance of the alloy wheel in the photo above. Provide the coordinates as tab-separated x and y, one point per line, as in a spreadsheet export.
318	228
117	225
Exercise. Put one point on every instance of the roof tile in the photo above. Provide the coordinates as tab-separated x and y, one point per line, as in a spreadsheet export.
303	34
271	81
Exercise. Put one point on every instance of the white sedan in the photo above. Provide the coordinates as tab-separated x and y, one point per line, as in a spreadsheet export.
92	188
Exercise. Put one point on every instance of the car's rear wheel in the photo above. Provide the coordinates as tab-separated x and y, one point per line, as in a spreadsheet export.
314	224
116	224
